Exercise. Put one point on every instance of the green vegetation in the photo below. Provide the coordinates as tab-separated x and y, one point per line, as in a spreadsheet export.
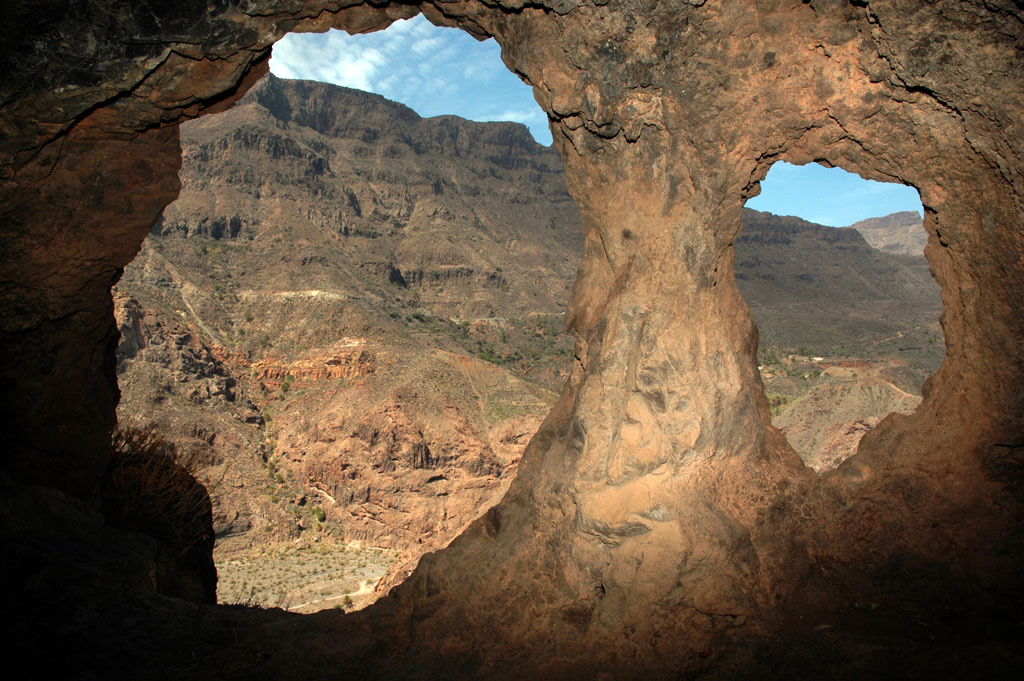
778	402
500	407
535	348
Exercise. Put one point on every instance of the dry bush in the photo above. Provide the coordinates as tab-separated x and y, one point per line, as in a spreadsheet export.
151	487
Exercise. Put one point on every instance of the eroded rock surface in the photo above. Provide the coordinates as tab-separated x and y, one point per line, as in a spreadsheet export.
658	525
317	305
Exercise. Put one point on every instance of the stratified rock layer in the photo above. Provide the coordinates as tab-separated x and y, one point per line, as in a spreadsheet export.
292	312
658	526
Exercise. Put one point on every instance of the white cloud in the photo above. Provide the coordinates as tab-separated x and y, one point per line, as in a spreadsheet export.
346	64
430	69
427	45
519	115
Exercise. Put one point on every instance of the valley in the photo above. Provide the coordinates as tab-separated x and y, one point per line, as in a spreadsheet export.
357	316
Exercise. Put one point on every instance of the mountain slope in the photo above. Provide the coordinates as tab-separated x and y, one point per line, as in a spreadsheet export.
357	314
826	423
310	312
898	233
370	201
826	290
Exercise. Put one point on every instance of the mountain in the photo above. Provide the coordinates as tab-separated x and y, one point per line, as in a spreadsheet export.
825	424
848	333
359	196
899	233
356	315
317	310
826	291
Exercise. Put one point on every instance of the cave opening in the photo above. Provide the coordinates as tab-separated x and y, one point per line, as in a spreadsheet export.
833	268
693	552
353	313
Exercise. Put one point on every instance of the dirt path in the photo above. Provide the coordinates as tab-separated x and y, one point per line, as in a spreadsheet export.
304	578
366	587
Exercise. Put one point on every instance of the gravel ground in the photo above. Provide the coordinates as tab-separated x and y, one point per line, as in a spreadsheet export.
303	577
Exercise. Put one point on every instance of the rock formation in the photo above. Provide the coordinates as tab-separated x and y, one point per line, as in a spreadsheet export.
658	525
317	302
311	298
896	233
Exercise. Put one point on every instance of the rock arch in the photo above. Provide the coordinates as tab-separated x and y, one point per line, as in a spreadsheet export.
658	524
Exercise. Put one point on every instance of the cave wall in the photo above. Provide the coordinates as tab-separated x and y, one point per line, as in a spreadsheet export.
657	515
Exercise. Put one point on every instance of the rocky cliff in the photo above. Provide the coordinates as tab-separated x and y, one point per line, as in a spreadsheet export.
312	308
321	331
897	233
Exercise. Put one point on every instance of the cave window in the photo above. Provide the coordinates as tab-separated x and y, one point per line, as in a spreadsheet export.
342	276
833	268
436	71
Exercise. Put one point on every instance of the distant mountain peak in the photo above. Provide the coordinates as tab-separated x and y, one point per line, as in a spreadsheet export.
338	111
900	233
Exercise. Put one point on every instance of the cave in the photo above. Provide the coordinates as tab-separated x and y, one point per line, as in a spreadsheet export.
658	527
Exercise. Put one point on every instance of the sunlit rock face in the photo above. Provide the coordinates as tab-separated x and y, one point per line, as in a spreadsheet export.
659	525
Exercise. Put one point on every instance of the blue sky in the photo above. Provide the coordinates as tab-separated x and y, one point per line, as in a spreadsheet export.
439	71
830	196
430	69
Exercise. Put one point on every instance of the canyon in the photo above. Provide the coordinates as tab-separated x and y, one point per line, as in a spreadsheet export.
658	524
365	409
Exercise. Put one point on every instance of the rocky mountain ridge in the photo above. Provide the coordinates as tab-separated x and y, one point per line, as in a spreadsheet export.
828	291
899	233
318	304
361	311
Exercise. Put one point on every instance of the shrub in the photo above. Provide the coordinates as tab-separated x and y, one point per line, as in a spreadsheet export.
150	487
